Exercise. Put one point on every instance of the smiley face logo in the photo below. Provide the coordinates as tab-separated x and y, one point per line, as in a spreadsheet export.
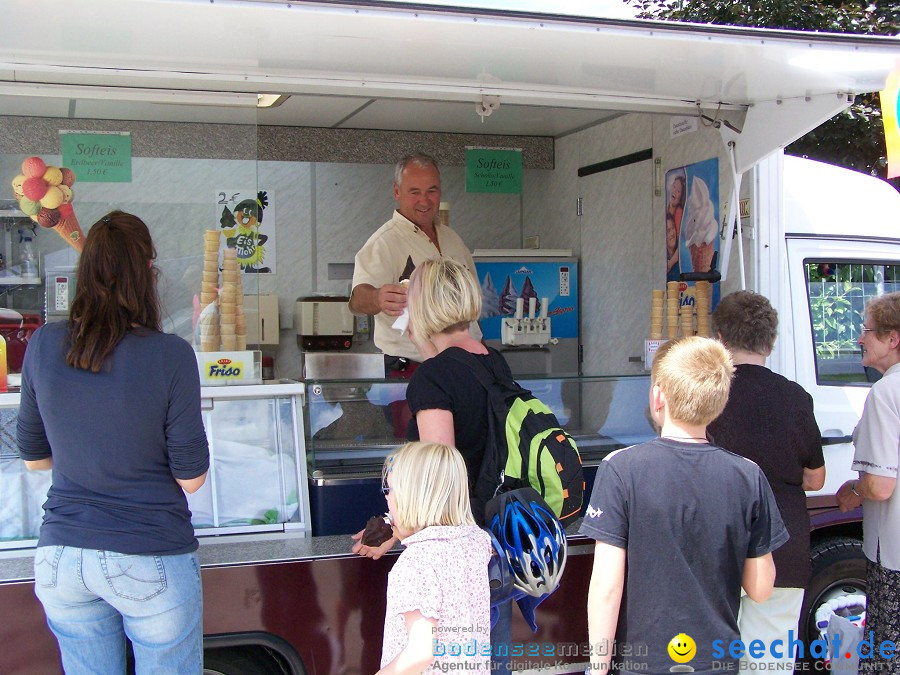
682	648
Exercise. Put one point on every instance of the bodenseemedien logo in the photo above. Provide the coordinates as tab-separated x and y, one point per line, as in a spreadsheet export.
682	649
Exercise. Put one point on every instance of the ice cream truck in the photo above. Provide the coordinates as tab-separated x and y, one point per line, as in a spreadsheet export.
613	121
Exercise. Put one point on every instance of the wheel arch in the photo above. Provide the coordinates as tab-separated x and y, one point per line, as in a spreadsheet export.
830	522
258	640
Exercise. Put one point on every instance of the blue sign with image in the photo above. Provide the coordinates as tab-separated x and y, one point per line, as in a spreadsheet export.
504	281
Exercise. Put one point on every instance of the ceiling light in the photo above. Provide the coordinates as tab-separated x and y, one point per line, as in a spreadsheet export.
166	96
270	100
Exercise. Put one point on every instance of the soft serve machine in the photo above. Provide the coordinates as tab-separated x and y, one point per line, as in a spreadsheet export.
530	315
533	318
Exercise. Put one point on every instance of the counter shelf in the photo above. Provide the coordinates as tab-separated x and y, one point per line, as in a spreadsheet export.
351	432
257	480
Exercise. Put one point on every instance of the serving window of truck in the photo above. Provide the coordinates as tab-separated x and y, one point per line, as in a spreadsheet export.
262	163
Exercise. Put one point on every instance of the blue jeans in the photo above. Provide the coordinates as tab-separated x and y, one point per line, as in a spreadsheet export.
93	599
501	639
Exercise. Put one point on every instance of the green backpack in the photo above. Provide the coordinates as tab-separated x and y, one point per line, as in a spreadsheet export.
526	447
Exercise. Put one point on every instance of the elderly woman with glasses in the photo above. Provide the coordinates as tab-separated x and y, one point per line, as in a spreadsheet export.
877	441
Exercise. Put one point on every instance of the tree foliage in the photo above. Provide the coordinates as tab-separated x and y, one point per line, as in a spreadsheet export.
855	137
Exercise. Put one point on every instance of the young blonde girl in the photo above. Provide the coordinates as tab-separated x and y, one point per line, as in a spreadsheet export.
438	599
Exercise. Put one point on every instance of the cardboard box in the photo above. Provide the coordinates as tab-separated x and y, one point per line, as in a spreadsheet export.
222	368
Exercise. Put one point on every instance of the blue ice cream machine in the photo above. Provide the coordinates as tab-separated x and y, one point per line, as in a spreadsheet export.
530	309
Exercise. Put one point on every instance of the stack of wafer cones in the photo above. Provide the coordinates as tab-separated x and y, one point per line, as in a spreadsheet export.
687	320
228	298
240	323
702	291
208	328
656	314
232	324
673	299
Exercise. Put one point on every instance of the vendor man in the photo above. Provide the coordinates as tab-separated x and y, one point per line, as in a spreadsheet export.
392	253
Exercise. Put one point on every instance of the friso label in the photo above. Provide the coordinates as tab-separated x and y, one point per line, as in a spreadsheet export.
224	368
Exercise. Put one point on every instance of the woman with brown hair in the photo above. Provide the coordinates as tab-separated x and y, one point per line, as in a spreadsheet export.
770	420
112	406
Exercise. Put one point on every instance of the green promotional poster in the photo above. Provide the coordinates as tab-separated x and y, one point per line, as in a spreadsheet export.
97	157
492	170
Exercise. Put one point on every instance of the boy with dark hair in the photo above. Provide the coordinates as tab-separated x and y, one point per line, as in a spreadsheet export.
692	523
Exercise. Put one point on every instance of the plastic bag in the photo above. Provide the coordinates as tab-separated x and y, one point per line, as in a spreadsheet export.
844	616
850	635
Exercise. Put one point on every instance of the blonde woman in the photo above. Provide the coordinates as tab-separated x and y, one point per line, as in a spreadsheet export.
438	600
447	401
449	404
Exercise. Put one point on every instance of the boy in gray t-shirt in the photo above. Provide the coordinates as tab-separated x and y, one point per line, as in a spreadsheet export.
691	523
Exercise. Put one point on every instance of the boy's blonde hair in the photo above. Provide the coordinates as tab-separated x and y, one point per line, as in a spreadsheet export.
430	485
442	294
695	375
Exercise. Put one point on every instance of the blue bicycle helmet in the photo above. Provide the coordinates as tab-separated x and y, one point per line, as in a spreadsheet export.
530	538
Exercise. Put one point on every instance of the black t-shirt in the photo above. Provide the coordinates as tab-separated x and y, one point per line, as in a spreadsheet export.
770	420
688	515
442	383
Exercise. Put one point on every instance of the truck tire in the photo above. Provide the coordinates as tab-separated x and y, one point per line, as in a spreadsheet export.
838	568
242	661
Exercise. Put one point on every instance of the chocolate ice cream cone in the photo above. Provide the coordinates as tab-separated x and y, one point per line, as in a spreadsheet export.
701	256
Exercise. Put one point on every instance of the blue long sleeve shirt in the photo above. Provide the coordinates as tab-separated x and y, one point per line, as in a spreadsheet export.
118	439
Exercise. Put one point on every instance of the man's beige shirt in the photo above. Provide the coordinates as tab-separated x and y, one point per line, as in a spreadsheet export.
383	260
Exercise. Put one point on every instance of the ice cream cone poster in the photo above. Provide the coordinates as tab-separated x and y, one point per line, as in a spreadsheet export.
45	193
247	219
692	216
676	195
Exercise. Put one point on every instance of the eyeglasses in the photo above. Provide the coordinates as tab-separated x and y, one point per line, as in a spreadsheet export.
868	330
385	490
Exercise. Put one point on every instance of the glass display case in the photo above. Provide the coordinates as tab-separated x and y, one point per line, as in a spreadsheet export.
256	483
257	475
351	430
22	492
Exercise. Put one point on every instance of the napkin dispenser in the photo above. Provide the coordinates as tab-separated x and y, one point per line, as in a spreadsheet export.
261	312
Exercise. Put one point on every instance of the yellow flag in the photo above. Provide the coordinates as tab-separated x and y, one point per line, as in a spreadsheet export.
889	107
